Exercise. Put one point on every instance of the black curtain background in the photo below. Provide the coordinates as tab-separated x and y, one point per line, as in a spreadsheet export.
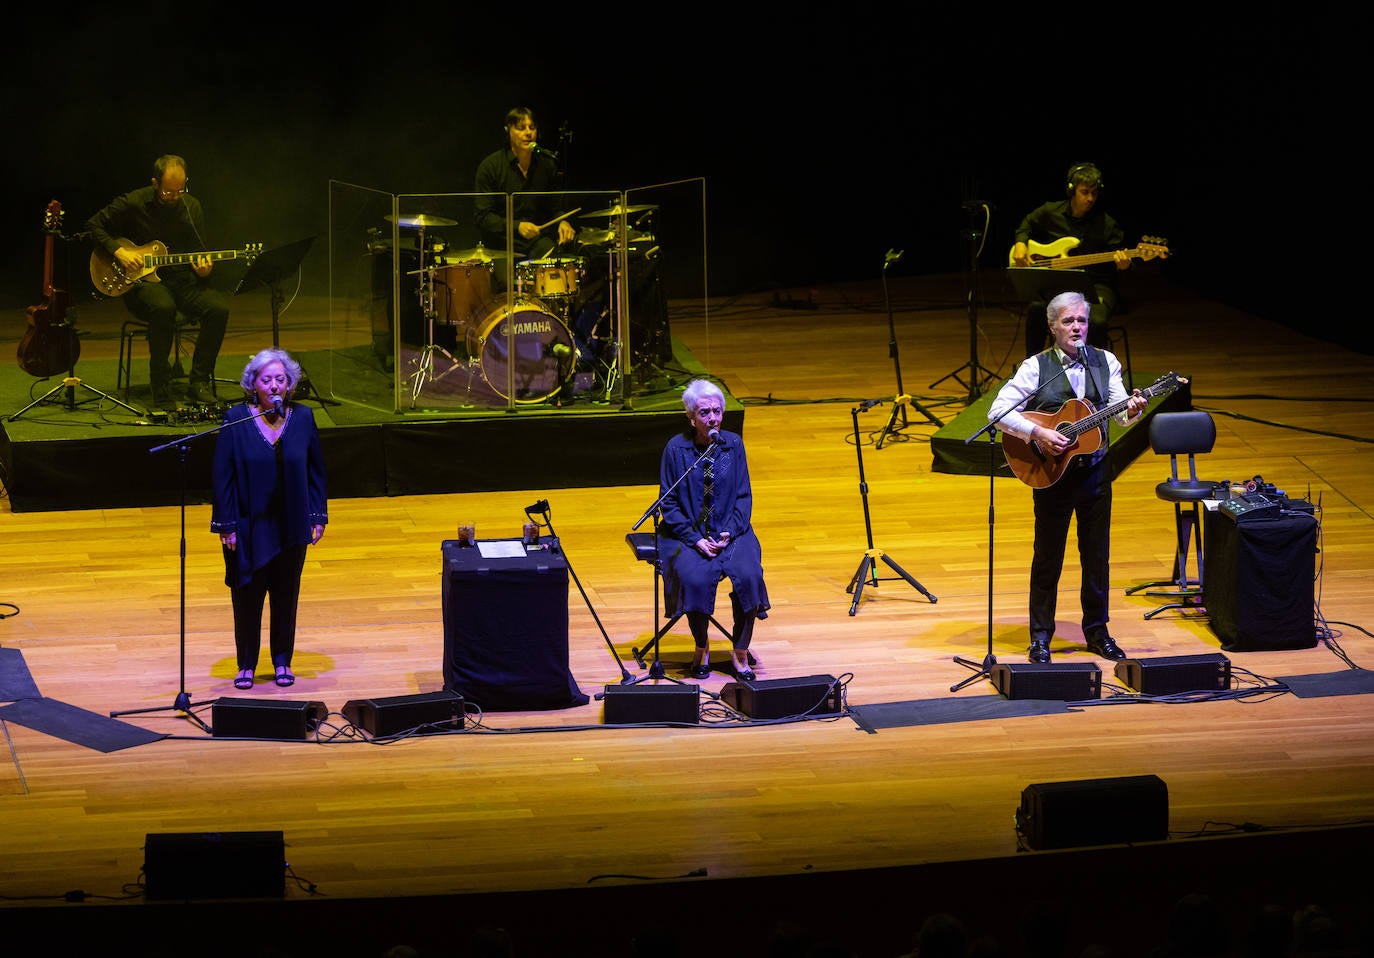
825	137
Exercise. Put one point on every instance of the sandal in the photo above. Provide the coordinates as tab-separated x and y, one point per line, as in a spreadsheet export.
739	660
244	680
284	676
701	664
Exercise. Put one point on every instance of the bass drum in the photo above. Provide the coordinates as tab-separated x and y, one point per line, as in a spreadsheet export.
540	355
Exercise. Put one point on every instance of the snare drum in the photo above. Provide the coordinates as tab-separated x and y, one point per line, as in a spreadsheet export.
462	292
550	278
541	353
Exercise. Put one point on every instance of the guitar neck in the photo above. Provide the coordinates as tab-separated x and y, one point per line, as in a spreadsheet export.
1086	259
180	259
1096	419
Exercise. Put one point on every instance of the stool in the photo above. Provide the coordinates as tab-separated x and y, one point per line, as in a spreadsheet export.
135	326
1178	434
644	545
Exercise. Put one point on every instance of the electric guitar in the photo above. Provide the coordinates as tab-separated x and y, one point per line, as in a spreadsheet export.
50	345
111	279
1055	255
1039	468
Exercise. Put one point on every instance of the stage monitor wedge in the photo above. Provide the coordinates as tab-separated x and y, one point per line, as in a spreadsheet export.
785	698
424	713
265	718
1098	811
181	866
1059	681
673	703
1170	674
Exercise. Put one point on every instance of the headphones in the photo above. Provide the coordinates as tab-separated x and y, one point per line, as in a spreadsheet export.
1088	172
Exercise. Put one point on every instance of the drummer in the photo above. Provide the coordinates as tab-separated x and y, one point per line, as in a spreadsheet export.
522	168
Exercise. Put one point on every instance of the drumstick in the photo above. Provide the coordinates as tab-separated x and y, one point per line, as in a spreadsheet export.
558	219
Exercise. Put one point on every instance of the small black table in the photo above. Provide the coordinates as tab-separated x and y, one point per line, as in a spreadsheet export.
506	627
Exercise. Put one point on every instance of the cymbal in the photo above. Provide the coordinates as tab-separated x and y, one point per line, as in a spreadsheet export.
617	210
421	220
587	236
478	252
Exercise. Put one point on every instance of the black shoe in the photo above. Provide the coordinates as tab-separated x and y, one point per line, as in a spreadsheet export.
702	671
1105	646
1039	651
201	393
162	397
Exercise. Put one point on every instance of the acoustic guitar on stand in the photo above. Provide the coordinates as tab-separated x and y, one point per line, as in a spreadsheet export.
49	344
1056	255
110	278
1039	468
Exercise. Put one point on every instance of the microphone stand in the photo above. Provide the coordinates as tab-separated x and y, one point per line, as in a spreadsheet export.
976	370
902	399
983	670
542	508
867	571
182	703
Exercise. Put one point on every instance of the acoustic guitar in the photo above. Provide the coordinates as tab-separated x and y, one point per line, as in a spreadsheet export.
1039	468
1056	255
49	345
110	278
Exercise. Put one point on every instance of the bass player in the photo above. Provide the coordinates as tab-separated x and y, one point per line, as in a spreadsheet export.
1067	370
164	211
1080	216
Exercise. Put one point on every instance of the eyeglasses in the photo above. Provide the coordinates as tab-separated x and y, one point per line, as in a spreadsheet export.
173	194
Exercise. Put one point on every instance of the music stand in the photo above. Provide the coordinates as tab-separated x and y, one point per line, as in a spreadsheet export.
1041	284
269	269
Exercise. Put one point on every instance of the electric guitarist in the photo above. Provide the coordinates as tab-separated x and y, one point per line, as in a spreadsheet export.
163	211
1081	216
1047	381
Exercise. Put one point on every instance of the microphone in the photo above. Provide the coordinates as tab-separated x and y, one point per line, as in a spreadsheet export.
541	506
868	404
893	255
535	147
278	405
1082	347
713	435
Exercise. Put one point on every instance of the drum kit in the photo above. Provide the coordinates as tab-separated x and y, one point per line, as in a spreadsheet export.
525	349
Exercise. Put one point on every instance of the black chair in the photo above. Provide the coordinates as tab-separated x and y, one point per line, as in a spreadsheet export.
1180	434
183	327
644	545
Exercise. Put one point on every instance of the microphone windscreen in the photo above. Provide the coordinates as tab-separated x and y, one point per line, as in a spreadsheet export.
278	405
713	435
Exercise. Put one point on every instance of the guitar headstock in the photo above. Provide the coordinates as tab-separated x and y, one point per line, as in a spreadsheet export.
1165	384
251	251
1152	246
52	217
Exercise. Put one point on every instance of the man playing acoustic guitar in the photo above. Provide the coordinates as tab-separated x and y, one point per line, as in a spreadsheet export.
1046	381
163	212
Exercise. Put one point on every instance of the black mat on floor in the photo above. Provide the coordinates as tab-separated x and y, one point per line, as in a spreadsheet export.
1349	682
943	711
75	725
16	682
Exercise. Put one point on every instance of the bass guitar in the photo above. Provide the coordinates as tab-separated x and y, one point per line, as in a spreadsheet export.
49	345
1039	468
1055	255
111	279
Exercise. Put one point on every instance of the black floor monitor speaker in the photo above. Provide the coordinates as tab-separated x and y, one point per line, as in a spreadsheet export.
652	704
423	713
1168	674
181	866
265	718
1098	811
784	698
1062	681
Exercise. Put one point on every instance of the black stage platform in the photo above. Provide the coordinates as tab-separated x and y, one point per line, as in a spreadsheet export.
952	453
95	454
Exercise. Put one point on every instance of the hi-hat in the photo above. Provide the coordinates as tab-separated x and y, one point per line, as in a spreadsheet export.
589	236
618	210
478	252
421	220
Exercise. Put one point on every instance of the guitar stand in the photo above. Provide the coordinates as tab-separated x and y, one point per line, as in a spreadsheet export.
70	383
867	573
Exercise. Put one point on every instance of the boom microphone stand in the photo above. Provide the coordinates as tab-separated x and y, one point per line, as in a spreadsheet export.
182	702
541	509
867	571
978	374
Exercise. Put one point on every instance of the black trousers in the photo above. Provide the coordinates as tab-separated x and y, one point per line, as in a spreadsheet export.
280	579
1085	493
157	304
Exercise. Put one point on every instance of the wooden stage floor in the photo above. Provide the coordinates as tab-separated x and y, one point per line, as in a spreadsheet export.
563	829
